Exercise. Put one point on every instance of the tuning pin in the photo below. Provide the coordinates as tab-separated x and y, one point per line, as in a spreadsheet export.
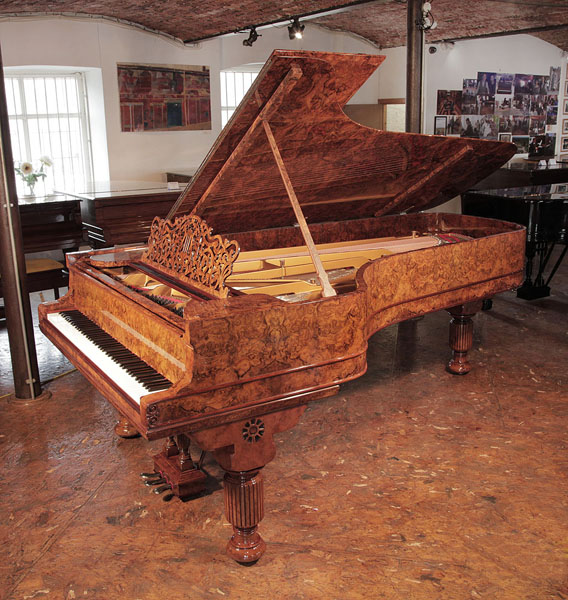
162	488
151	482
149	475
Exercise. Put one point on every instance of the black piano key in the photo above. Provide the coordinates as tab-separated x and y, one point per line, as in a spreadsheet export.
135	366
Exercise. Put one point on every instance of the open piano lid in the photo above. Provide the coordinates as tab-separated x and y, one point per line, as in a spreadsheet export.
339	170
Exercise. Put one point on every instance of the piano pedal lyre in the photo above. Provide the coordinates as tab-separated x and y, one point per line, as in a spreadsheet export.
175	466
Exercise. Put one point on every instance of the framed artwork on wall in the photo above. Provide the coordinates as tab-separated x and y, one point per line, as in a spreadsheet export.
505	137
565	111
566	87
164	97
564	144
440	125
564	126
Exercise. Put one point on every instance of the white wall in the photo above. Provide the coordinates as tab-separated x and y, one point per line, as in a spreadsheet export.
99	45
451	64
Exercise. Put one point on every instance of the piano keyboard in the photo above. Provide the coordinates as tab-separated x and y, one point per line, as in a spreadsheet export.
129	372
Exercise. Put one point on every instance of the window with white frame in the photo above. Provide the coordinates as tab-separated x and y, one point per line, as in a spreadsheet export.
48	116
235	83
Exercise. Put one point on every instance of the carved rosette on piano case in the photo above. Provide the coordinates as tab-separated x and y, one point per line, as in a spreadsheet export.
282	257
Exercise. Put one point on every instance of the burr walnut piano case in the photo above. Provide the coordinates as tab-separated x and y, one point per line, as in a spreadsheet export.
299	237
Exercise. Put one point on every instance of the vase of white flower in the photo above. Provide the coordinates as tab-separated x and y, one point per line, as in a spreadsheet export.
31	176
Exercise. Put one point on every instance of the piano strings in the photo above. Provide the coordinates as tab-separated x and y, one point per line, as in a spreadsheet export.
286	273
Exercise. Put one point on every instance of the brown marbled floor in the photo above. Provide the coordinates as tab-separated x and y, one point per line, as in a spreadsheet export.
410	484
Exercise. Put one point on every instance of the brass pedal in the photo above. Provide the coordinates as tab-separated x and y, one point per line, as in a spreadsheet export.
151	482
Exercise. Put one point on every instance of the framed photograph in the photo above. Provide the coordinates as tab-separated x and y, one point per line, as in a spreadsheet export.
522	143
566	87
505	83
564	144
565	111
564	126
505	137
440	125
449	102
486	83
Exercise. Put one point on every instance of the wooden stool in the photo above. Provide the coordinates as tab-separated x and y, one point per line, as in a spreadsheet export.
44	274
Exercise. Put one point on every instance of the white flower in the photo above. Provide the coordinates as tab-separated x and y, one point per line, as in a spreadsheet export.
46	161
26	168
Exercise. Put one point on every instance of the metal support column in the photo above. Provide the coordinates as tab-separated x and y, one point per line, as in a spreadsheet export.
414	57
13	270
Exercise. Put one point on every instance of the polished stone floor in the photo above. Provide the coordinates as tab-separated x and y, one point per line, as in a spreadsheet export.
410	483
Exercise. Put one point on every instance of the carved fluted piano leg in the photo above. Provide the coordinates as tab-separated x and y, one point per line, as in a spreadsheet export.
461	336
125	429
242	449
244	509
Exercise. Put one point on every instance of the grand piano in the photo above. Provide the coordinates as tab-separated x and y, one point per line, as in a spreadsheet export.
543	210
298	238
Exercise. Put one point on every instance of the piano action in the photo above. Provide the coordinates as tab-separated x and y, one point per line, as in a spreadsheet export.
298	238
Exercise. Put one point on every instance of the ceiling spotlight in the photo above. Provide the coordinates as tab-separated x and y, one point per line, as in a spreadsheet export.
253	36
296	30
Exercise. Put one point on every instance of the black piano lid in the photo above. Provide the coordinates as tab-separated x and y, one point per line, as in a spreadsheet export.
340	170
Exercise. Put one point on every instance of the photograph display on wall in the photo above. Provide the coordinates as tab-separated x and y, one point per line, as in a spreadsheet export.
554	80
164	97
522	143
449	102
564	144
564	126
518	107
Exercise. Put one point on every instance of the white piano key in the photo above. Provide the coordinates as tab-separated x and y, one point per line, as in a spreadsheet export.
118	374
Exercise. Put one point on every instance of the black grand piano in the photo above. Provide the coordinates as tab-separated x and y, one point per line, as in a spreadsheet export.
543	209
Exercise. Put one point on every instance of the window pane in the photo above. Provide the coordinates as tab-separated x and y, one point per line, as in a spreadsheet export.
51	96
17	139
13	97
230	89
51	122
223	89
72	96
239	88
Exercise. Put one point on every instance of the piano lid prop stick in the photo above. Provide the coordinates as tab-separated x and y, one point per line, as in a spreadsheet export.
322	275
